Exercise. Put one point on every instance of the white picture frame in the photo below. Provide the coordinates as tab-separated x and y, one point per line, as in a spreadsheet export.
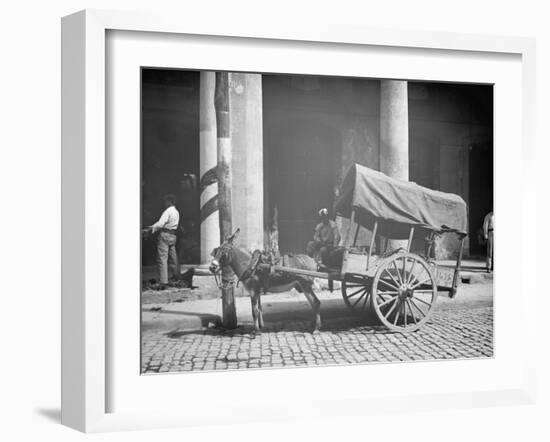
85	198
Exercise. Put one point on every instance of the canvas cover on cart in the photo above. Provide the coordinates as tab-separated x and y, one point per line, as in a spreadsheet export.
398	205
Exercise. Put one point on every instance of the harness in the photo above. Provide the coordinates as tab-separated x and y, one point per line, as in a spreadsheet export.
261	262
257	264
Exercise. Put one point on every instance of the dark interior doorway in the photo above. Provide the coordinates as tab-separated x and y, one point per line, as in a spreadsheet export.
170	150
481	193
301	162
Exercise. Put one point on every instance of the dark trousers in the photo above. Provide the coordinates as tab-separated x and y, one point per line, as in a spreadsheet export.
489	261
328	254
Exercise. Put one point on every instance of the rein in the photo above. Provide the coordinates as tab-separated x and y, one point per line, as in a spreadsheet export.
224	285
220	283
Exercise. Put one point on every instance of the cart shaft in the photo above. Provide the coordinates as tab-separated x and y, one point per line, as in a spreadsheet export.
301	272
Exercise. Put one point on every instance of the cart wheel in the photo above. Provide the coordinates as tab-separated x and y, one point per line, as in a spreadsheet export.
404	292
356	294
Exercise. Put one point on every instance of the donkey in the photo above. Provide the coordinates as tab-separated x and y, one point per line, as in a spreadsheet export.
257	279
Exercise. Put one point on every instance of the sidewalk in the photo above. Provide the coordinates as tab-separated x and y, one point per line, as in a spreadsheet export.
473	272
197	314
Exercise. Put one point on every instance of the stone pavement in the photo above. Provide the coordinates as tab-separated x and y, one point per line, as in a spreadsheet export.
462	332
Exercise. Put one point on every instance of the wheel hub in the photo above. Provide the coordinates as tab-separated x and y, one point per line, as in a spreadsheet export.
405	292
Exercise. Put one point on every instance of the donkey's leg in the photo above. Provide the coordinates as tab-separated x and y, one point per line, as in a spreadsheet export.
254	297
314	302
260	311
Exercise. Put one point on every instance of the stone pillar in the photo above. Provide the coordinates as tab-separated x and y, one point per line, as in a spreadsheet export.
394	134
394	129
246	122
210	229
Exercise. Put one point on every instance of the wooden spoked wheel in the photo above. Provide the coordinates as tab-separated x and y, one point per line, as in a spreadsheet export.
404	292
356	294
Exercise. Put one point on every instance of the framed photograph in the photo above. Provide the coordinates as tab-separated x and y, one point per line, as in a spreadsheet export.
259	212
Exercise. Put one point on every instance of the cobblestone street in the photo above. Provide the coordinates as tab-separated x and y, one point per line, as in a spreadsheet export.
466	332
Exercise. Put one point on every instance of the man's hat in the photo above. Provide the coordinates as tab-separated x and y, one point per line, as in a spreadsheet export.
323	212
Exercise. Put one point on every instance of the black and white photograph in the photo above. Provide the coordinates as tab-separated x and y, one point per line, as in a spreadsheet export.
292	220
275	221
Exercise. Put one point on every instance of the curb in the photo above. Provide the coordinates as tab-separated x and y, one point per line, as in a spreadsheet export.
475	277
177	321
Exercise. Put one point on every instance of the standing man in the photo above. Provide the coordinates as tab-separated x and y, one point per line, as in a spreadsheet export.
167	226
488	226
325	238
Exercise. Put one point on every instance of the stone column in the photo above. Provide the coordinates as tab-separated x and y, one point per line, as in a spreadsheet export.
246	122
394	134
394	129
210	229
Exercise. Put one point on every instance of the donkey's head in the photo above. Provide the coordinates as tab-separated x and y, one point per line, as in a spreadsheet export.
223	255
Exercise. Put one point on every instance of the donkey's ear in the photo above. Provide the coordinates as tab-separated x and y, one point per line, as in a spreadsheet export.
236	234
233	236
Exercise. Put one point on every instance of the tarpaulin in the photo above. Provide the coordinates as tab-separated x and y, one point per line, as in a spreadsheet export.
399	205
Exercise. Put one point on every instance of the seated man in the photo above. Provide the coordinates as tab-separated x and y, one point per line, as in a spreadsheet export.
325	241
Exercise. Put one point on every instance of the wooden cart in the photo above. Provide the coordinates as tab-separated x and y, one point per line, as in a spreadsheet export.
389	277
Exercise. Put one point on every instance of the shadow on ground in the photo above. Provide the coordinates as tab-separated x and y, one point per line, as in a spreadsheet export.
297	324
51	414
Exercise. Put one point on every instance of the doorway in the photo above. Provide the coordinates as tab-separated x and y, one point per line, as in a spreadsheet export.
302	159
480	193
170	150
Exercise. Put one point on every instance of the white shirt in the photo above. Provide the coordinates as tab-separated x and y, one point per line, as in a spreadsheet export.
488	223
169	219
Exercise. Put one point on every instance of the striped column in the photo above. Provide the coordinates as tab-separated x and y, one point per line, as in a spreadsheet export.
210	228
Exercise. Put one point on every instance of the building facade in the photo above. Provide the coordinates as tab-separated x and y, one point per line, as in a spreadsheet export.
294	137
